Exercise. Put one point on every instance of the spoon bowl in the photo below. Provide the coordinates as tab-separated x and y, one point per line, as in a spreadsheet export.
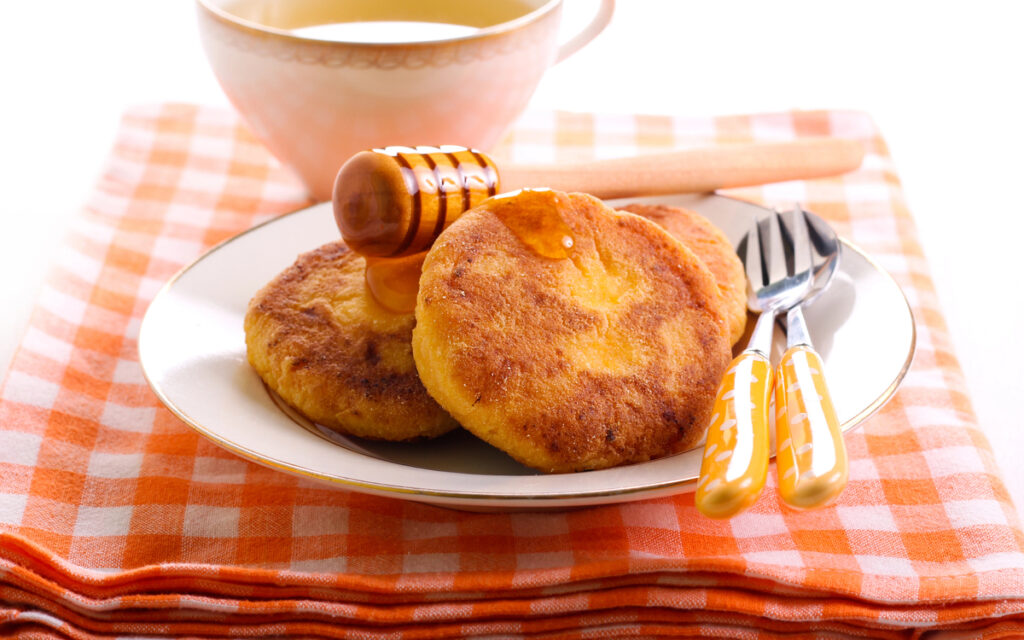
825	255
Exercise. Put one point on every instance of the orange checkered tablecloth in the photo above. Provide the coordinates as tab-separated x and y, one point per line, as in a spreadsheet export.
117	520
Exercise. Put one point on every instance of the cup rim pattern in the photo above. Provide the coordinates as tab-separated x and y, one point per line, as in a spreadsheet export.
529	30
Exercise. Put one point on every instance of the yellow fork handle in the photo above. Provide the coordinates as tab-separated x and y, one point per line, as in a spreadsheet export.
810	454
735	464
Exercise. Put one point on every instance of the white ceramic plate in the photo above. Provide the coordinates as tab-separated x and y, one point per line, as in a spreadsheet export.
192	350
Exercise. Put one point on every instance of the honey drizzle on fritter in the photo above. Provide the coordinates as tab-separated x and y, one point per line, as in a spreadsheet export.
533	216
394	282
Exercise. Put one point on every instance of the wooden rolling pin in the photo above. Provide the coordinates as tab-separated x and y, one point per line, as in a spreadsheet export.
395	201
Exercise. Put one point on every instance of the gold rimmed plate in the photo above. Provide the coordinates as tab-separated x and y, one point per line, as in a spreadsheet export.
192	351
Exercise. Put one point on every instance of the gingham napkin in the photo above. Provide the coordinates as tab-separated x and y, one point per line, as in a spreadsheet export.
119	521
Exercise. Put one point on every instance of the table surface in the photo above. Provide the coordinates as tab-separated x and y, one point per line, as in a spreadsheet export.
941	80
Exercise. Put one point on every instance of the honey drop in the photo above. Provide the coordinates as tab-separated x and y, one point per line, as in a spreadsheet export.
394	282
534	216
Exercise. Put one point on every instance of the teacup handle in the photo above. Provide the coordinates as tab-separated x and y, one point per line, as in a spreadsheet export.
596	26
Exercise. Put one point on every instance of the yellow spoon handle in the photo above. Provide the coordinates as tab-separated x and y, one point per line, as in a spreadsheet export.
811	455
735	463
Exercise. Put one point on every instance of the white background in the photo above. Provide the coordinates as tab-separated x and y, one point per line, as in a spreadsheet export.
943	80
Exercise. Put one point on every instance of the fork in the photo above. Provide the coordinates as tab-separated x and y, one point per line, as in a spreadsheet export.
735	463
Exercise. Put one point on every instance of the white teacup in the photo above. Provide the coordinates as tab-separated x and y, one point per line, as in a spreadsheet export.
316	94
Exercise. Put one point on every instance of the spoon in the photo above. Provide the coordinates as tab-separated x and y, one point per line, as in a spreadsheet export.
811	459
825	253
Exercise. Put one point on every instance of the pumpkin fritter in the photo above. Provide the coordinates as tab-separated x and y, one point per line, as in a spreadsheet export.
319	339
711	245
608	356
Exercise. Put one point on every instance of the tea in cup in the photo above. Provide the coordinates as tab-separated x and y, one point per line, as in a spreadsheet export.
319	81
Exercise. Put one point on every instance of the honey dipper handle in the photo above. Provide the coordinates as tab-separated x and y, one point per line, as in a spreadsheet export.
693	170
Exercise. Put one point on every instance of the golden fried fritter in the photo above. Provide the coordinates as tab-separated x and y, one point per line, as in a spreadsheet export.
320	340
607	356
715	251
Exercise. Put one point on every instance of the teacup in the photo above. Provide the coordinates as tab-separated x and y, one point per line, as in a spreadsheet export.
316	84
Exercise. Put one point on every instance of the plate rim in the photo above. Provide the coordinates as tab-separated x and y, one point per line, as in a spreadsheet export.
469	498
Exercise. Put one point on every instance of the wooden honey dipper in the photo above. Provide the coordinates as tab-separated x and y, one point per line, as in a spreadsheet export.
395	201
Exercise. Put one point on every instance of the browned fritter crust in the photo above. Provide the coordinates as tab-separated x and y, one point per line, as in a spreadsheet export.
715	251
610	356
319	340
